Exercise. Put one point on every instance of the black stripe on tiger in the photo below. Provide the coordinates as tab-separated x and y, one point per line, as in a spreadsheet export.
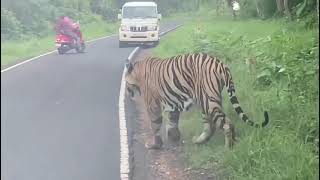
177	83
234	100
167	96
173	93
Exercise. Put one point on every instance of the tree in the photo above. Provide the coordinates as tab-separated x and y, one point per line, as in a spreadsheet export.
280	7
318	11
283	8
259	8
218	5
287	9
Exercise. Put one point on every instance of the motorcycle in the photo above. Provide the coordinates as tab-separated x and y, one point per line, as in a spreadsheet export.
65	43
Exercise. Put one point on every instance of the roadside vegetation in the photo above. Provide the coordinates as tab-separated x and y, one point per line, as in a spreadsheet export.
27	26
14	50
274	62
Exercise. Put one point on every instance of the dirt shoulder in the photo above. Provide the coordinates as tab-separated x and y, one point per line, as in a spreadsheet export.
165	164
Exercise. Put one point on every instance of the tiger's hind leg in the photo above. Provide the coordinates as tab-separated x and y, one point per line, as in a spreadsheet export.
229	133
207	132
224	123
173	132
156	122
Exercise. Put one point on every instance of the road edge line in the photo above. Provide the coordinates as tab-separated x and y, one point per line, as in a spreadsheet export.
47	53
124	146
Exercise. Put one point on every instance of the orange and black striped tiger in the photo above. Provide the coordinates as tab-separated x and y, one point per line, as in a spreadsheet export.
175	83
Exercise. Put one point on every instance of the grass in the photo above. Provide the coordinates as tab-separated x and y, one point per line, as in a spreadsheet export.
12	51
288	147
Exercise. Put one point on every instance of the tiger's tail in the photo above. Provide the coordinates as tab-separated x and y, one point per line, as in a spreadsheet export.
235	103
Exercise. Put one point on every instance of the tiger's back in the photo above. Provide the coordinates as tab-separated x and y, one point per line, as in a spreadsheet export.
182	80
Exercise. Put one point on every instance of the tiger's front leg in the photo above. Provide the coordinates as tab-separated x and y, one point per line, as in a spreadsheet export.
173	132
156	122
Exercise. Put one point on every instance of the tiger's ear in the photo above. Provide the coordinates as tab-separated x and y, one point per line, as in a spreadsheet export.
129	66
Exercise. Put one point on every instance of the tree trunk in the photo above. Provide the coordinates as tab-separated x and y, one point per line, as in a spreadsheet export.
318	11
280	7
218	5
259	9
229	3
198	2
287	9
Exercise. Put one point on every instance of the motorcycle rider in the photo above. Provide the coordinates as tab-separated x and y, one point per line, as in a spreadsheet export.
65	25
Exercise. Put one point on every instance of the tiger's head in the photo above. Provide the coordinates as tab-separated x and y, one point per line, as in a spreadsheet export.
132	79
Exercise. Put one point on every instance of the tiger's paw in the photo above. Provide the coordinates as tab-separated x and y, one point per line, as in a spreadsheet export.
203	138
173	134
157	144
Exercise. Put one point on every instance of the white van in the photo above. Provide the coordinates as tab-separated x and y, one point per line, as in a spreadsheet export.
139	23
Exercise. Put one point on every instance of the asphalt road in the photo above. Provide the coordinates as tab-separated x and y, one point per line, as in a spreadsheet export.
59	115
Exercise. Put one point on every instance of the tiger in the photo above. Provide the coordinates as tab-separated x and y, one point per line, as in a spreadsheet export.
176	83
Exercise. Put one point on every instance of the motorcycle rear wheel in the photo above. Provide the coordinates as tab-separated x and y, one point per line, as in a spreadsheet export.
81	48
61	51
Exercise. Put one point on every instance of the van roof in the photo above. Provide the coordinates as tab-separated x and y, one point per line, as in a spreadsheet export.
139	4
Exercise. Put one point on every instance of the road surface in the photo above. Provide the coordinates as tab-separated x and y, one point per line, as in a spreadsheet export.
59	115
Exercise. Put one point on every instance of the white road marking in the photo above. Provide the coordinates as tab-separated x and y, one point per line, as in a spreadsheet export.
124	147
23	62
37	57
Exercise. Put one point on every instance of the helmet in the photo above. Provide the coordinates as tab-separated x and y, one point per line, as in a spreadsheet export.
76	25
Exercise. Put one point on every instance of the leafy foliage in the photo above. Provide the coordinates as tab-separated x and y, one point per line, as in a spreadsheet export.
36	17
10	26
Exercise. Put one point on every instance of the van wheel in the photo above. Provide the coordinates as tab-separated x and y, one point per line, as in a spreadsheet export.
155	43
122	44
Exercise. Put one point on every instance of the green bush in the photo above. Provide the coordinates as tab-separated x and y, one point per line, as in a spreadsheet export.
248	8
11	28
110	14
35	18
